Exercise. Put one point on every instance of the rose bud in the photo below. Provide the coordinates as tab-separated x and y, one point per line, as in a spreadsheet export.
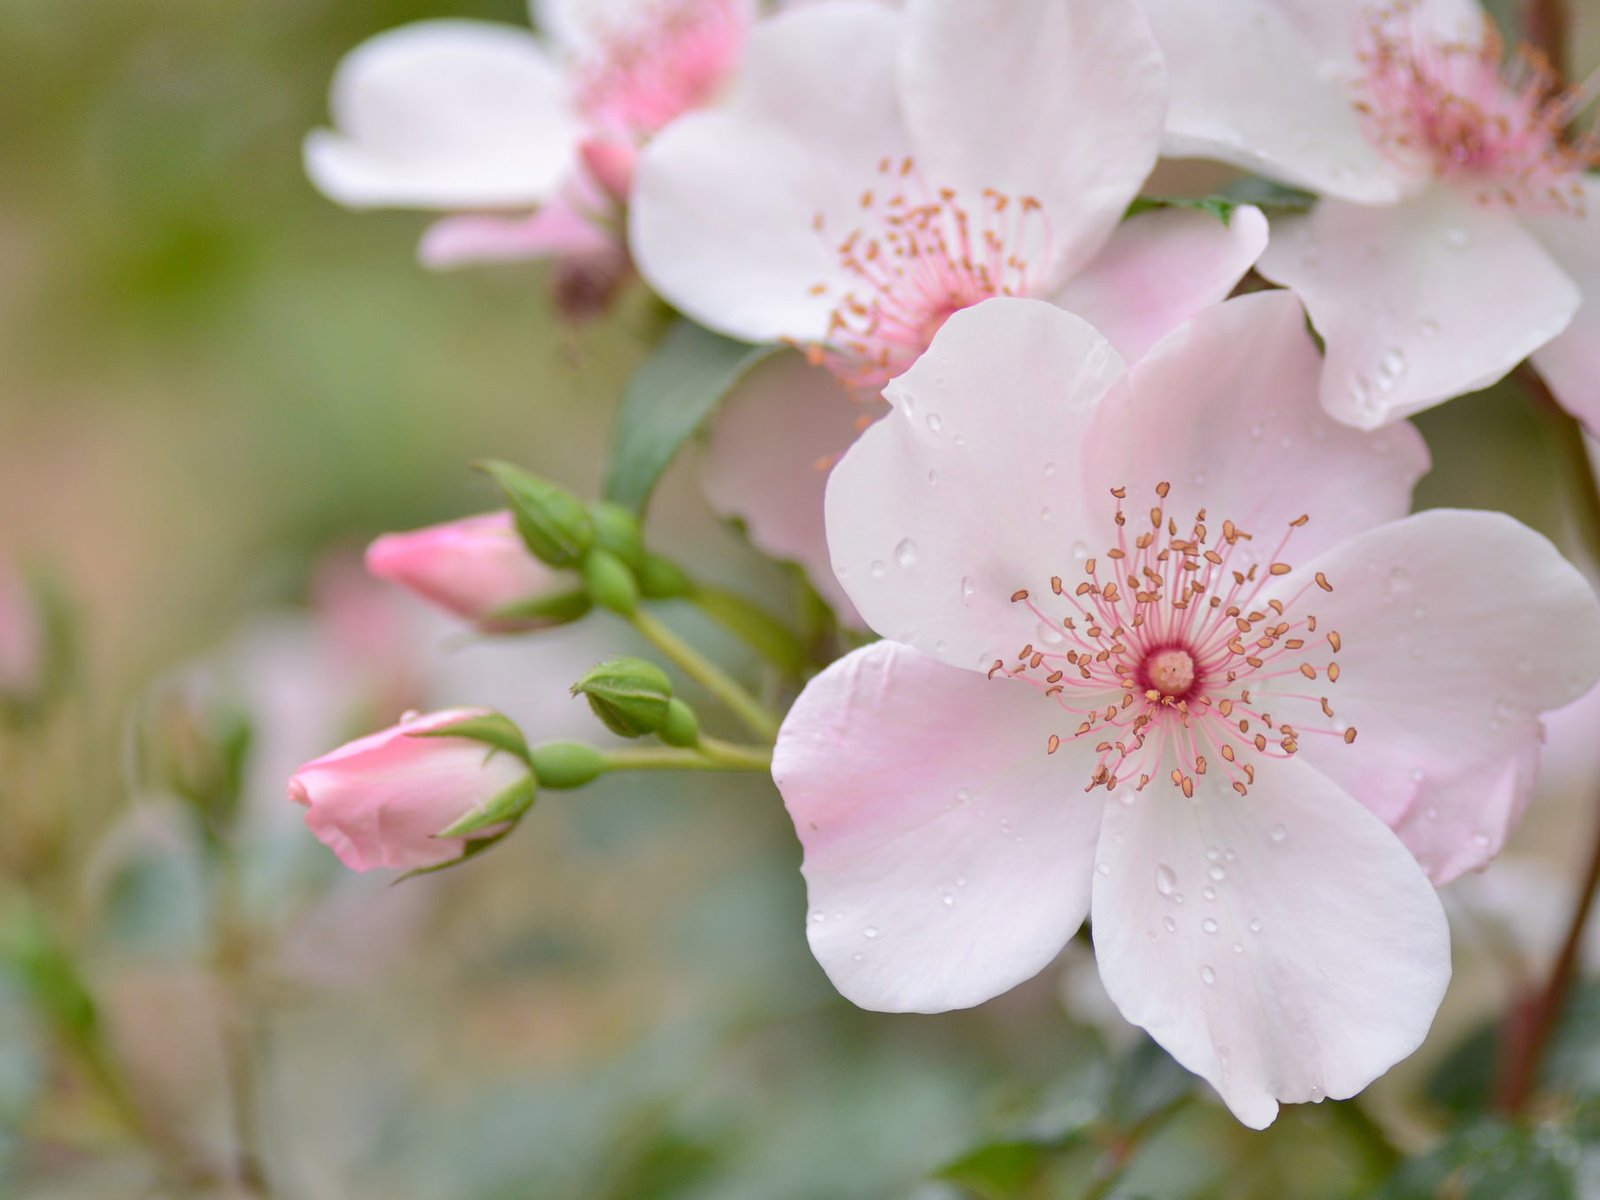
386	799
477	568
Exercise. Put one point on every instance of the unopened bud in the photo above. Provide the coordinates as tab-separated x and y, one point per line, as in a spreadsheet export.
631	696
617	530
553	522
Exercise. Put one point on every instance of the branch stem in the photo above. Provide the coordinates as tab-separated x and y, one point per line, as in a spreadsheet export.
750	711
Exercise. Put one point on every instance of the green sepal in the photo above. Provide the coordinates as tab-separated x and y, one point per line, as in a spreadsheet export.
1220	207
682	727
609	582
540	612
662	579
474	847
617	529
492	729
509	805
551	520
629	695
564	765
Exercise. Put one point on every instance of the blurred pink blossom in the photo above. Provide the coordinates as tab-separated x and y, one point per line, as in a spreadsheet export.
474	567
381	800
878	171
1458	231
1163	646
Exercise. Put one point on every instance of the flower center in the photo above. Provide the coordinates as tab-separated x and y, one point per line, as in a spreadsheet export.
670	57
917	256
1456	110
1170	656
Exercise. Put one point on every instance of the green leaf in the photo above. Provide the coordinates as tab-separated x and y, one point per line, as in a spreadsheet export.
492	729
1000	1170
667	400
1146	1081
1219	207
1265	194
1493	1161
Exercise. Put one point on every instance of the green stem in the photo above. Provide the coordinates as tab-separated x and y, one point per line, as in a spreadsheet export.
708	675
1121	1148
751	624
712	754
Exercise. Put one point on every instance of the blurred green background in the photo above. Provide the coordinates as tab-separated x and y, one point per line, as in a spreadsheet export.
208	377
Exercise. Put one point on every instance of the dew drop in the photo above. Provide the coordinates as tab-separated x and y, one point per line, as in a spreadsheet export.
1217	873
1103	868
948	900
933	478
961	881
967	587
1049	634
1169	924
877	569
1399	580
1080	551
1238	947
1209	925
1208	976
1278	834
934	423
1049	468
1045	514
906	552
1166	880
1428	328
959	440
871	931
1480	839
1209	892
817	918
857	956
1255	925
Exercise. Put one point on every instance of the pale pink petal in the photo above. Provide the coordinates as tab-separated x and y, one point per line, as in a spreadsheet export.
445	114
1412	300
1225	411
1061	100
1284	946
723	220
581	25
1570	363
472	567
1159	269
940	870
773	443
1456	629
1267	86
969	490
556	230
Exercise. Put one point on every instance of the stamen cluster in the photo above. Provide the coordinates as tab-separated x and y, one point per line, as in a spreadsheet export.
665	60
919	255
1163	649
1460	110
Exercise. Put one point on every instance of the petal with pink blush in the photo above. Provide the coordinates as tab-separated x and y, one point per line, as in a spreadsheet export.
1570	363
1159	269
1456	630
1459	823
773	443
1061	100
1267	86
725	205
554	231
969	491
940	870
1411	300
445	114
1225	410
1284	946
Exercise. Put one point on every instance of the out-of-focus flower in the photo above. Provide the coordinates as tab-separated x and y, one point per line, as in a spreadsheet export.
1137	619
1452	192
382	801
529	140
878	171
477	568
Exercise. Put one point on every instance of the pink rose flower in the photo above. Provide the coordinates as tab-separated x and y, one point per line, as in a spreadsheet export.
474	568
382	801
878	171
1163	649
1451	193
529	139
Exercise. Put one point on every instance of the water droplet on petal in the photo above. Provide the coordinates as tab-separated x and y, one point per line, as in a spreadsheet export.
1209	925
1399	580
1169	924
1217	873
1277	834
1166	880
934	423
1255	925
877	569
1428	328
1209	892
1208	976
1103	868
967	587
871	931
906	552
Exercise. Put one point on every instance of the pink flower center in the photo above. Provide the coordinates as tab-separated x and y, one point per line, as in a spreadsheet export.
1458	111
917	256
673	56
1160	655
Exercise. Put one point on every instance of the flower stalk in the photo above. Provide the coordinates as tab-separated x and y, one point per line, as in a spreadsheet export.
751	712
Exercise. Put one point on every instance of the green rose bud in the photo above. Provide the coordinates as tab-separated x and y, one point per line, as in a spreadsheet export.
551	520
632	697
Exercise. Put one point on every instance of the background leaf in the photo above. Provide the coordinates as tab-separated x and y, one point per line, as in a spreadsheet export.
669	398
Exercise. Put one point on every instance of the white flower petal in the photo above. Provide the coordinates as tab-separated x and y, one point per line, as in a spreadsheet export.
1061	100
773	443
947	856
970	488
1159	269
1570	363
1457	630
1285	946
444	115
1225	410
1412	299
725	202
1266	85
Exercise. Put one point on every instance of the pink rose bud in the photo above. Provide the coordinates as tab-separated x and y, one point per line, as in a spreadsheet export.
475	568
383	800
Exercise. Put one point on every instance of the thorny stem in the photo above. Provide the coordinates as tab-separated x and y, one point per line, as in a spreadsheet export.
1533	1019
712	754
708	675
